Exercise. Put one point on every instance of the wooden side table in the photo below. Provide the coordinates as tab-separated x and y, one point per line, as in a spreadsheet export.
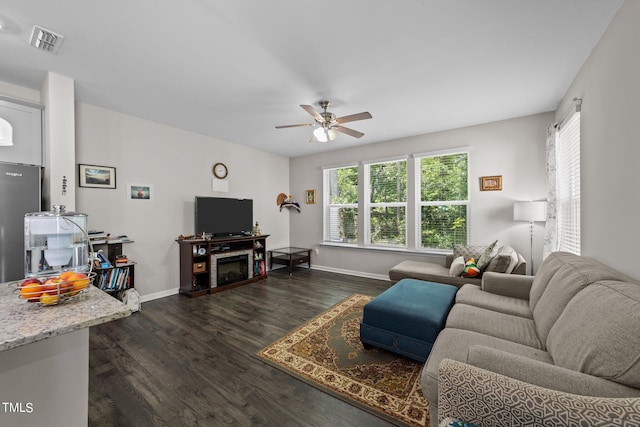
290	256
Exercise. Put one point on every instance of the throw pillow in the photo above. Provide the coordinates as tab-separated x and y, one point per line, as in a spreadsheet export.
513	263
457	266
468	251
470	269
487	256
501	262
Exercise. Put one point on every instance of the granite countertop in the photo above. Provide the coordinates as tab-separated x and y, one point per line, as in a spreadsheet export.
25	323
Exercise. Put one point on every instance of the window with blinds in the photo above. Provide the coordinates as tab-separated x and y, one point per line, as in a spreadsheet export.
568	184
443	200
386	209
341	204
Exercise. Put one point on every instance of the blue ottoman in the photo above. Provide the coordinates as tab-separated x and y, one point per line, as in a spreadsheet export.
407	317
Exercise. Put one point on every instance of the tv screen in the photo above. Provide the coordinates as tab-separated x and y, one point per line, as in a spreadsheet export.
222	217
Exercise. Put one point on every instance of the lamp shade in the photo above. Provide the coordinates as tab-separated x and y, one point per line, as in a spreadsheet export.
530	211
321	135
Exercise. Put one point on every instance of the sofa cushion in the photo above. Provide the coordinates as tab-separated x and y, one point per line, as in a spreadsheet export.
545	272
517	329
597	333
455	343
474	295
575	273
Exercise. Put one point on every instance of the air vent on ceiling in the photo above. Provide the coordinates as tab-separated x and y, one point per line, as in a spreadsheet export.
46	40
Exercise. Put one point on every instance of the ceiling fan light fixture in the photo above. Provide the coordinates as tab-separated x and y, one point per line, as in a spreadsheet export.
321	135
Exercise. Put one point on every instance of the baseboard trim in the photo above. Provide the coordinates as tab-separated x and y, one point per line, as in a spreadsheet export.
169	292
158	295
350	272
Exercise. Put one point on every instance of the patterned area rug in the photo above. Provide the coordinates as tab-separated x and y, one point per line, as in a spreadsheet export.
326	352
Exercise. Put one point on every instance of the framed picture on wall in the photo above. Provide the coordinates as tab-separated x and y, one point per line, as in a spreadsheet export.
139	192
491	183
93	176
310	197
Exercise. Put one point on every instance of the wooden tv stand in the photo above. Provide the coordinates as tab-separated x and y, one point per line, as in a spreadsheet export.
200	258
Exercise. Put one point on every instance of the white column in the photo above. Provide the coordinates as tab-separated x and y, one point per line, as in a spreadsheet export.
58	96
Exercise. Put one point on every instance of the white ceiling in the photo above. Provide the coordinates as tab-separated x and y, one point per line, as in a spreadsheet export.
236	69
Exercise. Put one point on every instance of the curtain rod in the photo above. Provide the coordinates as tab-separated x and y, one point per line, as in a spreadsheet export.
577	107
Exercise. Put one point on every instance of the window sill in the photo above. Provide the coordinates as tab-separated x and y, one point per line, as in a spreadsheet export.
387	249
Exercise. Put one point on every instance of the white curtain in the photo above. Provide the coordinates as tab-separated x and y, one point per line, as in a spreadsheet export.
551	235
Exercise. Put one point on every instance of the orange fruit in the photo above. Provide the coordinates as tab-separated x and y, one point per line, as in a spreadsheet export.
79	281
66	274
31	289
51	285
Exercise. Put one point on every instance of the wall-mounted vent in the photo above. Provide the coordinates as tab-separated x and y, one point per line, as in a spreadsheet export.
46	40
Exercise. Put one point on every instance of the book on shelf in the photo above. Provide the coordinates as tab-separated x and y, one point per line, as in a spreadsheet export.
113	279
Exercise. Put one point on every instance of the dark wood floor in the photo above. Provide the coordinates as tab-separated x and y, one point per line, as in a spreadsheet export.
191	362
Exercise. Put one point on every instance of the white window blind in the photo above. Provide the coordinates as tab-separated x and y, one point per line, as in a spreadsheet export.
443	200
341	204
568	184
386	208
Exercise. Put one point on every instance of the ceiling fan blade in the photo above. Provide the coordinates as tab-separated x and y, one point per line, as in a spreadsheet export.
348	131
354	117
295	126
309	109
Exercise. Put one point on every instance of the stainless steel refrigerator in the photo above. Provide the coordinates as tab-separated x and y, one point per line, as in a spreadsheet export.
20	193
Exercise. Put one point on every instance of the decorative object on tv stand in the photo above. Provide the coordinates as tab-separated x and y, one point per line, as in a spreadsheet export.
256	230
531	212
286	201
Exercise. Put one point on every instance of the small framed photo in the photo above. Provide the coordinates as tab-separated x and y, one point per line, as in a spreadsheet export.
491	183
93	176
139	192
310	197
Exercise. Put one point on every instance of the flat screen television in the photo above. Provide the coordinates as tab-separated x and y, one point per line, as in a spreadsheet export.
223	217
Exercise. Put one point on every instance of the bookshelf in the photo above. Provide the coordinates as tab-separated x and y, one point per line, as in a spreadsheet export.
116	278
112	277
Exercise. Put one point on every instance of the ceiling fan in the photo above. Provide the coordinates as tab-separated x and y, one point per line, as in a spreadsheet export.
328	124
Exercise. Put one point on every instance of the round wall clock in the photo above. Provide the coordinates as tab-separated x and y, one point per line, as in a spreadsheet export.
220	170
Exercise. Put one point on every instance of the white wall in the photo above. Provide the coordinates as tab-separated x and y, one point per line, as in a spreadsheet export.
512	148
19	92
178	165
609	84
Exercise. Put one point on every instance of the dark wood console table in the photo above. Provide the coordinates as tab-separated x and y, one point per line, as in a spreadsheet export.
290	256
199	259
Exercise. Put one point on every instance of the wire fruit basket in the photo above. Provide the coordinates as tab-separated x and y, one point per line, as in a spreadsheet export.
55	289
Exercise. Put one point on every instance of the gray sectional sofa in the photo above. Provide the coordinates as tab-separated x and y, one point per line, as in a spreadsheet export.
573	329
506	259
